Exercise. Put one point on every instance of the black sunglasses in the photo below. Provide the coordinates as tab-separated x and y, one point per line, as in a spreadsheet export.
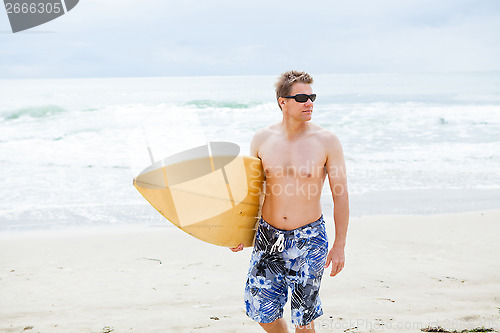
302	98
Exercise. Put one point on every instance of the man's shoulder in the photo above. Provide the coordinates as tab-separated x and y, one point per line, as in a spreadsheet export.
260	137
266	131
323	134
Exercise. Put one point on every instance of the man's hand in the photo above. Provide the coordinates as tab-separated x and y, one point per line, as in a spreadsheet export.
337	259
237	248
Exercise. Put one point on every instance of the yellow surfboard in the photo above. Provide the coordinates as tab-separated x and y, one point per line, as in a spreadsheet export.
210	192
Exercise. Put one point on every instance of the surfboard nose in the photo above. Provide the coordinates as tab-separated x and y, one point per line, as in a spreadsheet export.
199	183
207	185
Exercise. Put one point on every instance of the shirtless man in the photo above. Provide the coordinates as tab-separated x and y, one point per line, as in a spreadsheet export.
291	245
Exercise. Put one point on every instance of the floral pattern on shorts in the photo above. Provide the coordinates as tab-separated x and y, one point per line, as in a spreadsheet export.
299	266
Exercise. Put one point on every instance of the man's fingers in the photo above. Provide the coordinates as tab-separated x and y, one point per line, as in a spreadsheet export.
328	260
237	248
336	268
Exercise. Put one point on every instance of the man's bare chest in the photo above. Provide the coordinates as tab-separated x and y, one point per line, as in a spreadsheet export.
301	159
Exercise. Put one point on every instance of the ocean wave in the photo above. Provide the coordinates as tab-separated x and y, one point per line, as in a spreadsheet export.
33	112
205	103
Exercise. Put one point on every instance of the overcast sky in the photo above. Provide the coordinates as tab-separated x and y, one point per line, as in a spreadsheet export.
107	38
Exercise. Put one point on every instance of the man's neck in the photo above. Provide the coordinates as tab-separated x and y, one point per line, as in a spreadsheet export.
293	129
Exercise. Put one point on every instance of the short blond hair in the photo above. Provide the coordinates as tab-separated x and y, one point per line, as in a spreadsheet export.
286	80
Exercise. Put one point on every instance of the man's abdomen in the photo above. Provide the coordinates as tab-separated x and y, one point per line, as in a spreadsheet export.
292	203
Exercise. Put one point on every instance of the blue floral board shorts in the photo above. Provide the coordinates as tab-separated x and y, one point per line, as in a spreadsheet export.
283	259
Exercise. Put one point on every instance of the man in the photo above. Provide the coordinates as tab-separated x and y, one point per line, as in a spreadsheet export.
291	246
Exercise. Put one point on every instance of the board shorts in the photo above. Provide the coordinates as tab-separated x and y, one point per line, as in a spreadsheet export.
283	259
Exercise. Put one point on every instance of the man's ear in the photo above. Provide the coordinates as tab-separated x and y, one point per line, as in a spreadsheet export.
281	102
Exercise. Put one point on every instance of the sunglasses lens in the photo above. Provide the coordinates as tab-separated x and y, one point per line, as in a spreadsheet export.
301	98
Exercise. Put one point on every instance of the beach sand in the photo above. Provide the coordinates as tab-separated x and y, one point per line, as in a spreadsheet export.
402	273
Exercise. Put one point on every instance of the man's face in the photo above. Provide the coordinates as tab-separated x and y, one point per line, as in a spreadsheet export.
294	109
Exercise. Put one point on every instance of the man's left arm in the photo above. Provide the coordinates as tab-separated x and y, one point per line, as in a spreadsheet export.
336	170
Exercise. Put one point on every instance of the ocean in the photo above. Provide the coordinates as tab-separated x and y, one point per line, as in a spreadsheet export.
422	143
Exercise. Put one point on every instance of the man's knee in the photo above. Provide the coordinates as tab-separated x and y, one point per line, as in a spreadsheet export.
279	325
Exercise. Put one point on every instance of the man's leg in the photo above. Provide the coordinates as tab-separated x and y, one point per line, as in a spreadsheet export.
305	302
277	326
309	328
266	291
